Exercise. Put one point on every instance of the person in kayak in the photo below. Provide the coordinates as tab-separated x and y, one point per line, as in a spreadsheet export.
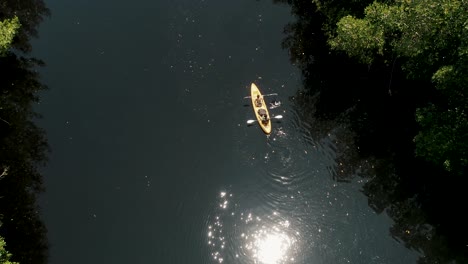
258	101
263	115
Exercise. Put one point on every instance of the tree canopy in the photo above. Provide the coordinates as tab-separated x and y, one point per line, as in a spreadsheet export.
430	37
385	97
4	254
8	29
23	145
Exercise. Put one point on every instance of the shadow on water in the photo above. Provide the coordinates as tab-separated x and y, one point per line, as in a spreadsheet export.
370	112
23	144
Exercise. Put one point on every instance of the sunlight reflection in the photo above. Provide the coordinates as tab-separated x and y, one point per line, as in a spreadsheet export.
271	248
271	244
238	235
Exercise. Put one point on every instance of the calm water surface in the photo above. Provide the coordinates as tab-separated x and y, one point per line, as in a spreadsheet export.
152	160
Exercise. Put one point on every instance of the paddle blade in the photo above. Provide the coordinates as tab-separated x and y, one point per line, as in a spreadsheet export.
251	121
278	117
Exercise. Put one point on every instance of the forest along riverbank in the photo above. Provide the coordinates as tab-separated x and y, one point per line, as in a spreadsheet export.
23	144
379	101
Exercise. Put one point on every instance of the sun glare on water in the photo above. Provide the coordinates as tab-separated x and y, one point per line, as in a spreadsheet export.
271	244
244	237
272	248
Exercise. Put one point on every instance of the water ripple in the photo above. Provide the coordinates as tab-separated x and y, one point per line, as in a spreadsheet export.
239	234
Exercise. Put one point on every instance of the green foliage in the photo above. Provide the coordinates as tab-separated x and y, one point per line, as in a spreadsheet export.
408	28
443	138
8	29
4	254
333	10
23	152
31	13
359	38
411	191
430	38
23	145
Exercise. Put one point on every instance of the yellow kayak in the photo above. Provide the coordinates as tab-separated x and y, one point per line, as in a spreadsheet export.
260	109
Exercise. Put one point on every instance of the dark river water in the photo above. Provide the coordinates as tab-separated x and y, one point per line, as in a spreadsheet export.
152	160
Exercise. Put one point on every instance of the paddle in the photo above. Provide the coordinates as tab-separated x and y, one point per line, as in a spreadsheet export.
247	97
253	121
